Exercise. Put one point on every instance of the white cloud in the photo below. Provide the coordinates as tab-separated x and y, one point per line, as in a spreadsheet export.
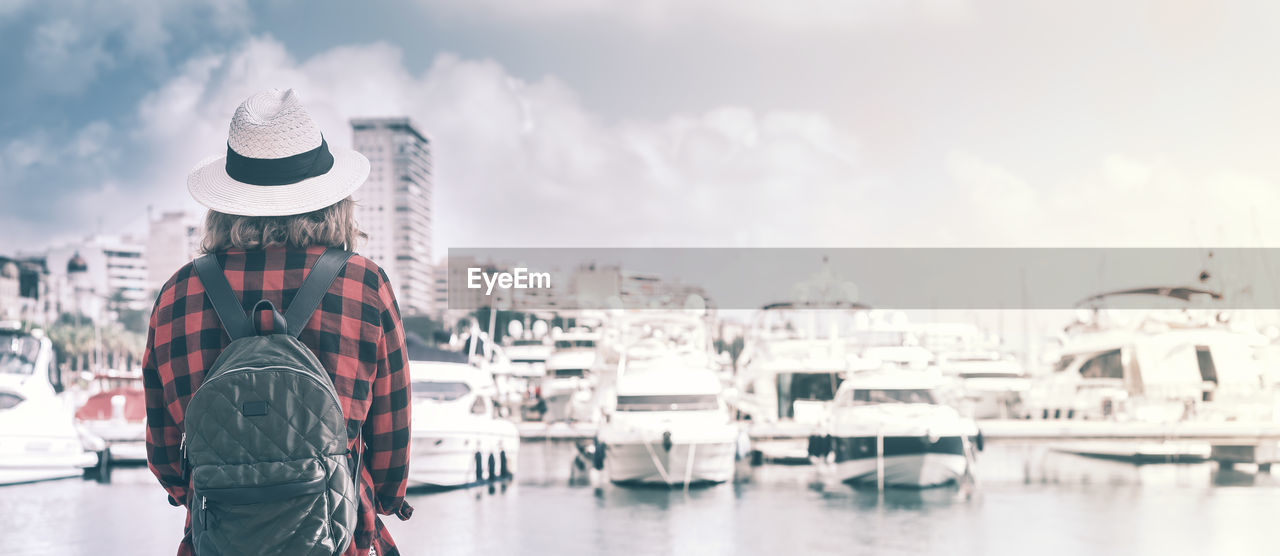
1125	201
66	59
10	7
71	43
92	140
27	151
523	162
47	174
1127	173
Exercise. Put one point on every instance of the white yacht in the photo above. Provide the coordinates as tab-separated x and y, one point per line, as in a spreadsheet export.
38	438
793	363
668	426
567	389
529	356
457	437
990	385
661	331
887	427
888	337
1154	365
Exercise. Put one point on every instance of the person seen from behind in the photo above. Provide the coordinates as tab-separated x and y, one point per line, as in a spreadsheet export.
275	370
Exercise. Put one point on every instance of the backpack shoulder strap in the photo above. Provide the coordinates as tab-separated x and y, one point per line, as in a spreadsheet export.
234	320
319	279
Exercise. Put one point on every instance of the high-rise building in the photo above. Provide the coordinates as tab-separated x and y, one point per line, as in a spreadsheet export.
394	206
172	241
440	290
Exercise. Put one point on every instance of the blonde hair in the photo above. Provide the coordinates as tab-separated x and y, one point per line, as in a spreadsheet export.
332	226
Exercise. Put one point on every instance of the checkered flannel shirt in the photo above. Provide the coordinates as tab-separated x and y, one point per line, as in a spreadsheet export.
357	335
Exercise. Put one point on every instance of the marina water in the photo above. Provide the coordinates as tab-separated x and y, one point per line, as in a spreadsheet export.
1027	500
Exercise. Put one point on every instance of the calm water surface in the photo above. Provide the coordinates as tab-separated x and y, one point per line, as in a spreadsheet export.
1027	501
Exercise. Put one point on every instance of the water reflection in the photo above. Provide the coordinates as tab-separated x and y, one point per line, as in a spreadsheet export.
1024	497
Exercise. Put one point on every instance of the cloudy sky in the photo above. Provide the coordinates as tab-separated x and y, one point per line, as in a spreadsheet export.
680	123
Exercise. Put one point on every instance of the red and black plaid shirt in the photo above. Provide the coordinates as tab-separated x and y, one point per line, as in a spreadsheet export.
357	335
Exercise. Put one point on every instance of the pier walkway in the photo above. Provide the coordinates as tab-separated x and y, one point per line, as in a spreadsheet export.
1012	431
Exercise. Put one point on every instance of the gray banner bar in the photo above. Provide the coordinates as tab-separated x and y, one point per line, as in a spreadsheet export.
885	278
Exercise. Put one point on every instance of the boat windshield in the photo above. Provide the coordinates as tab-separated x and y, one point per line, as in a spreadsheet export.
991	374
9	399
1063	363
17	355
439	391
527	343
570	344
671	402
877	396
568	373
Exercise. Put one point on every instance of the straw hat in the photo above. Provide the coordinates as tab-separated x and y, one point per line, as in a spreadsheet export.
277	163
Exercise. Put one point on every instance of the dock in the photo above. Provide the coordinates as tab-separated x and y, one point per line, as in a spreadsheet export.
1034	431
534	431
996	430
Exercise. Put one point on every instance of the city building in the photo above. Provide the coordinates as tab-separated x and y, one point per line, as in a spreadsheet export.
440	290
394	207
173	240
28	292
114	272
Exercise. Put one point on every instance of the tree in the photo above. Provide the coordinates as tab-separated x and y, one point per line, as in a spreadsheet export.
425	327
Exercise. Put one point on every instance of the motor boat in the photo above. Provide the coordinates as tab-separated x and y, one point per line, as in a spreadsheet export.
686	333
667	425
38	438
117	414
990	385
567	390
528	356
1154	365
793	363
887	428
458	438
888	337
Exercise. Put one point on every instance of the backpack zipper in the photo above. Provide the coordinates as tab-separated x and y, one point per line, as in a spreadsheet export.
329	506
182	448
333	394
204	513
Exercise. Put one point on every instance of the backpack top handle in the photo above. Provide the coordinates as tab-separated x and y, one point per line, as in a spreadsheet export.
238	324
278	323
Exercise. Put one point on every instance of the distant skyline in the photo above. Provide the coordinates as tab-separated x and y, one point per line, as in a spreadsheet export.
715	123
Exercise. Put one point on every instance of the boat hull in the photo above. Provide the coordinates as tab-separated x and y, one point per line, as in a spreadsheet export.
442	460
37	459
132	452
126	440
564	403
1141	453
908	461
38	442
652	463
